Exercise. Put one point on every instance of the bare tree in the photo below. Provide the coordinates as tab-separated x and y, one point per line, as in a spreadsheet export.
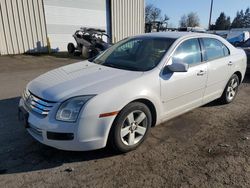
153	13
183	21
165	19
148	12
191	20
154	19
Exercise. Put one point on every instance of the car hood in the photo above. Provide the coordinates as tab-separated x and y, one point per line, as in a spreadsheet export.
83	78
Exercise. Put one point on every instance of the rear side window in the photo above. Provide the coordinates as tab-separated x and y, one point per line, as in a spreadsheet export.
214	49
188	52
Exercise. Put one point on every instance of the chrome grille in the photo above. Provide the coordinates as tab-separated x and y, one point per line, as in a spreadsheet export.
36	104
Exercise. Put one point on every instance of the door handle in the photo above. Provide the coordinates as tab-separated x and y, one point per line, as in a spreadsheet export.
230	63
201	73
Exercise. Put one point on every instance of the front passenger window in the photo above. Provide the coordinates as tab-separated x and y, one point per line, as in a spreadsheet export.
188	52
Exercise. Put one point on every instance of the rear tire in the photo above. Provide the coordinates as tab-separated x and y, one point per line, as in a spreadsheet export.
130	127
71	48
231	90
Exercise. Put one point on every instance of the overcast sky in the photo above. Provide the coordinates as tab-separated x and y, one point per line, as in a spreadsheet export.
176	8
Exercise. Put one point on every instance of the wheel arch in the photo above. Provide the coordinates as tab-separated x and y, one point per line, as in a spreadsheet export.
149	104
145	101
238	73
151	107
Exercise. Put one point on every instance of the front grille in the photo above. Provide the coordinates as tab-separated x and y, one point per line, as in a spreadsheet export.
36	104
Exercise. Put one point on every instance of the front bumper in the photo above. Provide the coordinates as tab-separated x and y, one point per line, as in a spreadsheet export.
88	133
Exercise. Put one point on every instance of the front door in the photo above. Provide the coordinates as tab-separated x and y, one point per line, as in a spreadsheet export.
182	91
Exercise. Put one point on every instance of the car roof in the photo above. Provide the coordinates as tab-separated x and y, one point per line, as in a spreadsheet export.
175	35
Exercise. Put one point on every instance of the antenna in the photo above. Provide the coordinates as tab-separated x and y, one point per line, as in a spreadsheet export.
210	17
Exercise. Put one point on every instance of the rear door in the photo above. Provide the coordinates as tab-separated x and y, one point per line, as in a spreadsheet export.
219	63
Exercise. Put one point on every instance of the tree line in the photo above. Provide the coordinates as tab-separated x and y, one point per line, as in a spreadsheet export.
223	22
241	20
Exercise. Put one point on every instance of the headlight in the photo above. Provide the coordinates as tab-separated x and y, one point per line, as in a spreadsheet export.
69	109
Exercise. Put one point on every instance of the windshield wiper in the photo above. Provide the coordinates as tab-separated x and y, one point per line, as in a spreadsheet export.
96	61
121	67
111	65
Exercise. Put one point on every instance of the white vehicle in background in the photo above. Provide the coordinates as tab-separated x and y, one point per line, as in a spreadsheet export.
134	85
193	29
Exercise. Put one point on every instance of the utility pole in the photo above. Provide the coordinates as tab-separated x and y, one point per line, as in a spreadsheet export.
210	17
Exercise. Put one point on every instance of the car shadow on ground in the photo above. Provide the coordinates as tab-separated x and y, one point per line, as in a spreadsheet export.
21	153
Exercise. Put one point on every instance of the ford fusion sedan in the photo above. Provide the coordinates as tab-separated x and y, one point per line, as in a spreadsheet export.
134	85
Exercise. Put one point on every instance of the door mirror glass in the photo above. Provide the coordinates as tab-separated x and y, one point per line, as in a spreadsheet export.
178	67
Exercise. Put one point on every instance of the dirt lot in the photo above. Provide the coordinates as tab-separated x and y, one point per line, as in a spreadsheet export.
207	147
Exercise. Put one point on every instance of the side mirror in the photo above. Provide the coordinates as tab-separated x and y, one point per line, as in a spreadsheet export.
178	67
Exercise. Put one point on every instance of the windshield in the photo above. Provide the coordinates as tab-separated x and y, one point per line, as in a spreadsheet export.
136	54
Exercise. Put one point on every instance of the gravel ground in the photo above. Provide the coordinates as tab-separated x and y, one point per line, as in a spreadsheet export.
207	147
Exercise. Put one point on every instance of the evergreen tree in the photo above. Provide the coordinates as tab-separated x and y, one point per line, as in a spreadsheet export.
247	18
222	22
238	21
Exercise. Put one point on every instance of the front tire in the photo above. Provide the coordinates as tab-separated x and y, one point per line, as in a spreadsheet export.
130	127
231	90
85	52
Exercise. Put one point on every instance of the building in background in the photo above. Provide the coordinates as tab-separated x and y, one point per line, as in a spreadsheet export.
30	26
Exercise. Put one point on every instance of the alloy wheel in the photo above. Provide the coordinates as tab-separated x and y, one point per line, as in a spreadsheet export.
232	89
134	127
